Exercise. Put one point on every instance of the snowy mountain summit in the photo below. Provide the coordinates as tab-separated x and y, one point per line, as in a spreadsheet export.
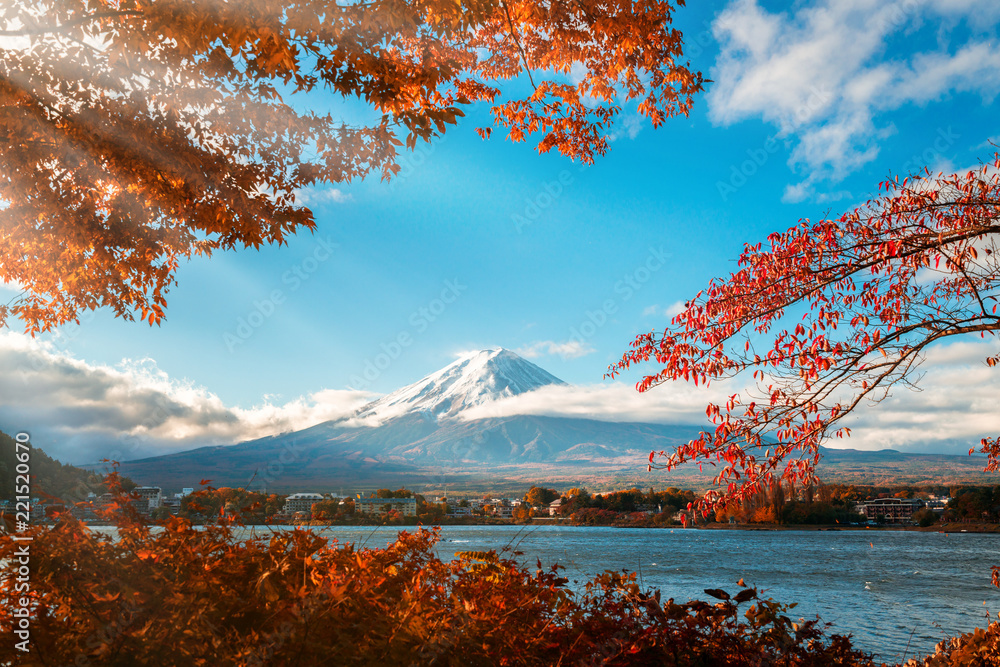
471	380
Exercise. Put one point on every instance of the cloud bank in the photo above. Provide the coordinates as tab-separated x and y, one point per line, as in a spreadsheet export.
614	401
79	412
821	73
955	406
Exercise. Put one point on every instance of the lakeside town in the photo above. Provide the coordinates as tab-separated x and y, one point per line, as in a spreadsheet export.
826	504
87	496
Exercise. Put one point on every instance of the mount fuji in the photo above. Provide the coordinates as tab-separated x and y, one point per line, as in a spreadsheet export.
417	436
470	381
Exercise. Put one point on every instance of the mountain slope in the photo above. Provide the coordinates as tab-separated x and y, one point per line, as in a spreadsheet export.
415	437
412	448
49	478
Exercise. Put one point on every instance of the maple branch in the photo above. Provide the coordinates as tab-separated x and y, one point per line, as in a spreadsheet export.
185	146
847	268
968	281
517	42
799	391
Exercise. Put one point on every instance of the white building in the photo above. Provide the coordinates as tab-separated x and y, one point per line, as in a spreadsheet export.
301	502
150	497
555	506
405	506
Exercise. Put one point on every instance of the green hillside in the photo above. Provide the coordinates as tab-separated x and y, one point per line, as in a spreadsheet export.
49	477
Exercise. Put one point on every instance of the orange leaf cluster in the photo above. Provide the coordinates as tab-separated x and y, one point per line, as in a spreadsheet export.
183	597
137	133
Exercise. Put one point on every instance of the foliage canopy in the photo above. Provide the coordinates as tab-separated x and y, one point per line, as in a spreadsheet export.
140	132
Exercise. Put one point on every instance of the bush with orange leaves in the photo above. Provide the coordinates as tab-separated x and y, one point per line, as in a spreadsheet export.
181	596
978	648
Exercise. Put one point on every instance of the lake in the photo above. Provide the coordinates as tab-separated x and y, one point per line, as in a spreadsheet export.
896	592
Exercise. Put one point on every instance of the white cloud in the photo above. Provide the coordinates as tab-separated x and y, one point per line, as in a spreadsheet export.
613	401
674	309
972	68
671	311
992	143
80	412
839	195
628	124
577	72
955	407
313	196
11	288
570	349
820	74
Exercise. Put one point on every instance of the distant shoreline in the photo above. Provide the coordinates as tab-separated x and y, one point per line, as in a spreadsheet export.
951	527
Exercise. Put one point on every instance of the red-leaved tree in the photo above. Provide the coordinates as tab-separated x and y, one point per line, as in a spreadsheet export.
915	266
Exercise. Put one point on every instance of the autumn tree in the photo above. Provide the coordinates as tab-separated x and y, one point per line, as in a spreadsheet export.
521	514
249	506
876	288
430	512
538	495
326	510
137	133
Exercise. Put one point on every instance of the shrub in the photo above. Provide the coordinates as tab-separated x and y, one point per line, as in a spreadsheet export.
182	597
979	648
178	597
925	518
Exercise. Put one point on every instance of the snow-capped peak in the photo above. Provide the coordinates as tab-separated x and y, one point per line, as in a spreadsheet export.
473	379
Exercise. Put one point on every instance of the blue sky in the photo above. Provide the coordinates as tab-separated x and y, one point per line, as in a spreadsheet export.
812	105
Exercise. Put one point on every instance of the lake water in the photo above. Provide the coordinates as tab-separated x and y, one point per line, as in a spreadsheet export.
896	592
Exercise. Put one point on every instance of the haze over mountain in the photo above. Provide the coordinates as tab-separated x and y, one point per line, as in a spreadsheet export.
416	436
